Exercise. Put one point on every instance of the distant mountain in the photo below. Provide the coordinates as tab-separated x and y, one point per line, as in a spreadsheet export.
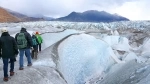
5	16
92	16
47	18
24	17
44	17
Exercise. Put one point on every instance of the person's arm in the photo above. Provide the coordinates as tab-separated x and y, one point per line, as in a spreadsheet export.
29	39
41	39
0	49
37	40
16	36
15	47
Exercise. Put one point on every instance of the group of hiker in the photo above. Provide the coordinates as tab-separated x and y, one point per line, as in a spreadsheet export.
22	44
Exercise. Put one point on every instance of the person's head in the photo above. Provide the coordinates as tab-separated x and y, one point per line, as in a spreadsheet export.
3	30
33	33
37	32
23	29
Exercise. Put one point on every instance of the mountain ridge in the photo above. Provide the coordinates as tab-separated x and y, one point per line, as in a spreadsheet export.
5	16
23	17
92	16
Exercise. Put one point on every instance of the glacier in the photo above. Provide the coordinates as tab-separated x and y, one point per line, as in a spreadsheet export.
86	53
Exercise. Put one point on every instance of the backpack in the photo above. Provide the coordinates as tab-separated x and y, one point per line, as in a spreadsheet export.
21	41
34	42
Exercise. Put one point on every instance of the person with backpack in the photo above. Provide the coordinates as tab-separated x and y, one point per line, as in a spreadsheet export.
24	43
35	46
40	40
8	51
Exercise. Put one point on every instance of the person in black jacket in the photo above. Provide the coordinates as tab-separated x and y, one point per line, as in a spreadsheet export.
8	51
25	50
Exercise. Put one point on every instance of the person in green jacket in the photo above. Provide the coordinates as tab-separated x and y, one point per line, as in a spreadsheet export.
40	40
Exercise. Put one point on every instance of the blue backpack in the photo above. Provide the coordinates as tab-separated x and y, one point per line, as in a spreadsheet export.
34	42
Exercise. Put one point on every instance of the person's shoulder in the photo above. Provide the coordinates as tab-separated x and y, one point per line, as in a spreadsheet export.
17	33
39	35
12	37
26	33
34	36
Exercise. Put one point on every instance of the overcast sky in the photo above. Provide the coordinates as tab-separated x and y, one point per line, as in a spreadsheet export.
132	9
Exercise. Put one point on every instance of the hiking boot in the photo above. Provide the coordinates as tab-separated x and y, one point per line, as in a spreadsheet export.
20	68
5	79
11	73
29	65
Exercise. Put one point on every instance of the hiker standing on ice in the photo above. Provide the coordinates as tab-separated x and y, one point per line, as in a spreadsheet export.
24	42
40	40
35	46
8	52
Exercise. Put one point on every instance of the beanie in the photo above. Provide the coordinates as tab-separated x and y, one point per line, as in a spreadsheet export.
37	32
23	29
33	33
4	30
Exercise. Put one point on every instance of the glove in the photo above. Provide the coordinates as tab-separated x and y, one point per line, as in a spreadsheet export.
16	52
16	55
0	55
14	59
32	48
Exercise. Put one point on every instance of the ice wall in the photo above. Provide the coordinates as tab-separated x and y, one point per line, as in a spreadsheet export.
81	56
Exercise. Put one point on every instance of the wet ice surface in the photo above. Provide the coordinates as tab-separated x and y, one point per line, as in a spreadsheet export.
42	72
128	73
129	53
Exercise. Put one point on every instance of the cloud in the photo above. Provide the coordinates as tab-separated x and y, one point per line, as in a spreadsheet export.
57	8
137	10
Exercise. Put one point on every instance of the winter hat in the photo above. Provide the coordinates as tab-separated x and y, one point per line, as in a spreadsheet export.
37	32
4	30
23	29
33	33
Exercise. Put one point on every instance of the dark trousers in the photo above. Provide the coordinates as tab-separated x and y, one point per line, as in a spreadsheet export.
39	47
5	65
34	52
